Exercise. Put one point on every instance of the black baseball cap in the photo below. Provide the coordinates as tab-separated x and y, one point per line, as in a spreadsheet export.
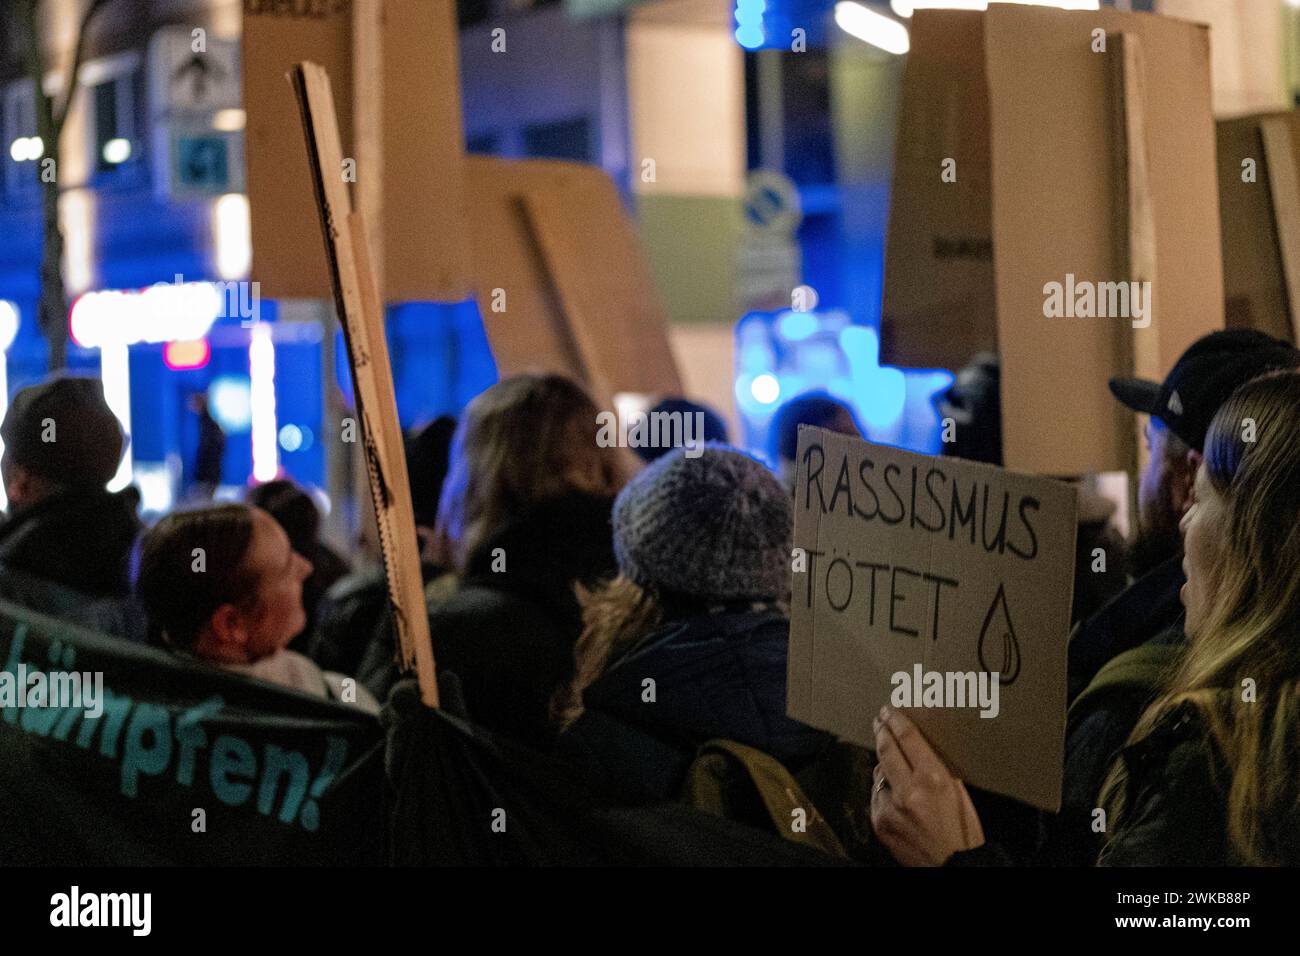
1203	378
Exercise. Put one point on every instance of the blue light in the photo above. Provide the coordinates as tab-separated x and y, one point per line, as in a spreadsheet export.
880	397
796	326
749	19
750	36
783	355
231	403
765	389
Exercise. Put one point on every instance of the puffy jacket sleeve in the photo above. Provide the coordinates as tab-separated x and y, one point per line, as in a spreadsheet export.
1175	814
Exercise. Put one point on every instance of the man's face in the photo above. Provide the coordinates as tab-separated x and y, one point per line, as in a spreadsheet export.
22	488
1164	490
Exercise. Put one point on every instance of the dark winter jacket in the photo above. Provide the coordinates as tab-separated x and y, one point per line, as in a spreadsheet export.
715	676
119	617
80	541
1176	799
508	633
1099	724
353	631
1175	804
45	596
1094	587
327	569
1150	606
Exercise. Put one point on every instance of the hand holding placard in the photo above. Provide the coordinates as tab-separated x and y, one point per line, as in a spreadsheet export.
943	586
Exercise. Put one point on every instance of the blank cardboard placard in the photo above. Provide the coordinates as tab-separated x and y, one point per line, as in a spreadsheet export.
288	259
562	283
1256	292
917	565
939	306
1055	195
426	253
1055	192
422	231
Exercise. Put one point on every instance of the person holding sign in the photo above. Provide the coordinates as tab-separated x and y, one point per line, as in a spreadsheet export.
1211	774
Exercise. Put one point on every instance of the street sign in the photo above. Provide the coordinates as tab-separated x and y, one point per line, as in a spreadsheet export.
191	71
768	261
772	203
202	163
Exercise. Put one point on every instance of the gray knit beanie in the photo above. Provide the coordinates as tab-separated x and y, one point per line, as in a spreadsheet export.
716	526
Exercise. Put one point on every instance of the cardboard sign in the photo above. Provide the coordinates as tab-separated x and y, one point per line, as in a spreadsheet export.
942	587
562	283
421	235
1259	205
1015	170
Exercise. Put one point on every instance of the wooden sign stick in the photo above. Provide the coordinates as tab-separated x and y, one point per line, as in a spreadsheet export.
1137	237
360	310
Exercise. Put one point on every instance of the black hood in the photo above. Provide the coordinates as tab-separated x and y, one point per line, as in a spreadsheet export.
716	675
81	541
547	549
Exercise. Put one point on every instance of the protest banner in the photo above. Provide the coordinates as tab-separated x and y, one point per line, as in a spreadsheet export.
942	587
1054	196
161	760
1259	204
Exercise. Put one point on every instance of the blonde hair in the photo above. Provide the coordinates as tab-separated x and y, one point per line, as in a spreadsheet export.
616	615
1252	629
524	440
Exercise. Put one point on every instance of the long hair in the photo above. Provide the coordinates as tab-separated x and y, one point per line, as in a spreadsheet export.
616	615
1242	667
524	440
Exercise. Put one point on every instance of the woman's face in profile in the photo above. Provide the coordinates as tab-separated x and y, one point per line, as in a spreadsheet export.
1205	531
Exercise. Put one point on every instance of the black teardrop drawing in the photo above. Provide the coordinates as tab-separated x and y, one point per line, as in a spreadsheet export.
998	641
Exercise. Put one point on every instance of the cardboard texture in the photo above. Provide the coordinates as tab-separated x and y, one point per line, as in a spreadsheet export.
553	236
1058	189
987	590
288	259
421	234
361	315
939	293
575	294
1257	293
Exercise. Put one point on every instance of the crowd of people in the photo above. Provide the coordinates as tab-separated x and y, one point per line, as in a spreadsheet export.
621	612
